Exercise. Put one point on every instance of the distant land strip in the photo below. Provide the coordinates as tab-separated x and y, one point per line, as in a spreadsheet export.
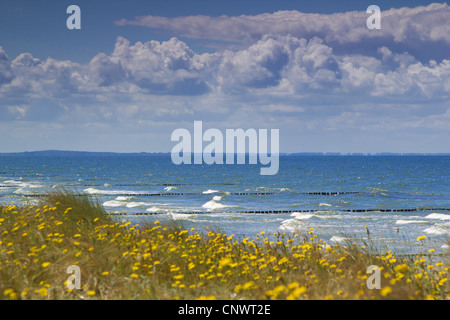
64	153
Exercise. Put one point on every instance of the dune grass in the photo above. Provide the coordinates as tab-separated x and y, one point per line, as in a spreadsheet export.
118	260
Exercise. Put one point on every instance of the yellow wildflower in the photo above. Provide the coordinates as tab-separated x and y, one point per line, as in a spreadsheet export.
42	292
385	291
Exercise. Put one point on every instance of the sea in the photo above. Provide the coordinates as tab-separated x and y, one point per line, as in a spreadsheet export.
386	202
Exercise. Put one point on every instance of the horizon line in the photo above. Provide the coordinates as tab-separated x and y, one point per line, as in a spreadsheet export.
299	153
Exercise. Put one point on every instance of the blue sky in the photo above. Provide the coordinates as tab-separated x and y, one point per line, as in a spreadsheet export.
137	70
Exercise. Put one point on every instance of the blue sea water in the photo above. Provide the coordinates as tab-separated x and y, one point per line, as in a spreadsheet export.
397	198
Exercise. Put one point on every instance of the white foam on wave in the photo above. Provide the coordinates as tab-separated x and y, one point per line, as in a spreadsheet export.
137	204
268	189
24	191
21	184
110	192
438	229
410	221
293	225
325	212
439	216
122	201
180	216
209	191
11	182
170	188
114	203
214	204
321	214
324	204
302	215
153	209
122	198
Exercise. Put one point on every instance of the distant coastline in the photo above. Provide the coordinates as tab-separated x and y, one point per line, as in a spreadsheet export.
63	153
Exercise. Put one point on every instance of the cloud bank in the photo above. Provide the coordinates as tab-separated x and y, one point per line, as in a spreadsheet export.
403	27
310	74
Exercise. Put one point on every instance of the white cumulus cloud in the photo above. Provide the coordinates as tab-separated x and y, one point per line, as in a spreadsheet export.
324	71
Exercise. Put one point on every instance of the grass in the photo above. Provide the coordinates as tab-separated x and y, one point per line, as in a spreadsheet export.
118	260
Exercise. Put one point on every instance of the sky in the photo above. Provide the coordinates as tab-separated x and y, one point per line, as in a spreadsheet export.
137	70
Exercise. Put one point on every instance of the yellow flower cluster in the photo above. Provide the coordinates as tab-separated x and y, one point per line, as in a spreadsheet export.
119	260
